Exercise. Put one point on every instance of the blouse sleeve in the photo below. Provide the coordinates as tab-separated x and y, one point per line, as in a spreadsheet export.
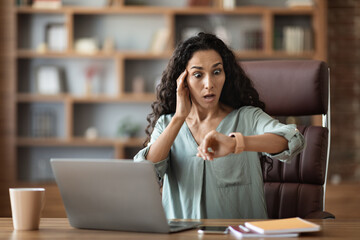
263	123
161	166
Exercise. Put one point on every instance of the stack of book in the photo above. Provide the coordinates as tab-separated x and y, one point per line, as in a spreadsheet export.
297	39
251	40
288	227
43	123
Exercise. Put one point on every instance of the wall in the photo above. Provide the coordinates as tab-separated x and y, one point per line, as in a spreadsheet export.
344	62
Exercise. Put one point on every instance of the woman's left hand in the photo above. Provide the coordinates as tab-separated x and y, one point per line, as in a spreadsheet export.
216	145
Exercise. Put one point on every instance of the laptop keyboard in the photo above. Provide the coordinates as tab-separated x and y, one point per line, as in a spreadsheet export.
178	223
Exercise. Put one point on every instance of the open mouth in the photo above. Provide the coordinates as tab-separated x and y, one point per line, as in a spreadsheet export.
209	97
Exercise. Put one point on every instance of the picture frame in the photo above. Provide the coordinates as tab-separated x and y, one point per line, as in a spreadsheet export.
48	80
56	37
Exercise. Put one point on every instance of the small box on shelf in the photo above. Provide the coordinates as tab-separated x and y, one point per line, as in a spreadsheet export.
56	37
300	3
46	4
49	80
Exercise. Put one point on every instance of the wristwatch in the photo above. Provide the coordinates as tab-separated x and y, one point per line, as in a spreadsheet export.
240	143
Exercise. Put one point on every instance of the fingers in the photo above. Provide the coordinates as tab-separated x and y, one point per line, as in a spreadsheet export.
181	81
209	155
183	102
206	150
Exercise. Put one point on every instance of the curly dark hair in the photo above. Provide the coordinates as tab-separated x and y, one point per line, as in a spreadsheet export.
237	91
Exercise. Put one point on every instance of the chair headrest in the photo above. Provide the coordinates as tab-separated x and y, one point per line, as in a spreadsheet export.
290	87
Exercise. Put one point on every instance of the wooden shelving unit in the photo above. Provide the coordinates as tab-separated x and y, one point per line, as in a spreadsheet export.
122	64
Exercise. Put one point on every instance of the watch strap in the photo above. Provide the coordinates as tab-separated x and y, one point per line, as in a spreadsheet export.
240	143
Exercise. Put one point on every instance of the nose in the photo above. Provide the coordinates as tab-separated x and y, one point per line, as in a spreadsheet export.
208	82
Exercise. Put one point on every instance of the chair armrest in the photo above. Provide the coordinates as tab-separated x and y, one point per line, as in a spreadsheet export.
320	215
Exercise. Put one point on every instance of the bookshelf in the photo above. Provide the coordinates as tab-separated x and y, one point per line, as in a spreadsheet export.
132	27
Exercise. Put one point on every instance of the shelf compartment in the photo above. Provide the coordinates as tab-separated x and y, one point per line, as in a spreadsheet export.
105	118
143	75
127	31
41	119
34	162
293	33
73	76
32	28
243	32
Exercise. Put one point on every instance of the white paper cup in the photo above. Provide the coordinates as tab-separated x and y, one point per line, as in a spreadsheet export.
26	207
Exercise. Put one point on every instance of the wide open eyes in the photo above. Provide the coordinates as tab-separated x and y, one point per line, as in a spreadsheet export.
217	71
199	74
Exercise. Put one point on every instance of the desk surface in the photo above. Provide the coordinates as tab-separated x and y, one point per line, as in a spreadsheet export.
59	228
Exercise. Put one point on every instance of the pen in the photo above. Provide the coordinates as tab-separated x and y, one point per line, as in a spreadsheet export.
244	228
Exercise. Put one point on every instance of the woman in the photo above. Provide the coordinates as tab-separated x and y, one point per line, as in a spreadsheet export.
207	128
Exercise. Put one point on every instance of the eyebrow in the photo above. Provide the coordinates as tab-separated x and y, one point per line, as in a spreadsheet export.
215	65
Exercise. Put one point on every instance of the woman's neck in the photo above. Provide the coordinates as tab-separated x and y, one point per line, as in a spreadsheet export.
199	115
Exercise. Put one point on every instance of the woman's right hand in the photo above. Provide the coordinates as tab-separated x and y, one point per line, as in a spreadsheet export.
183	103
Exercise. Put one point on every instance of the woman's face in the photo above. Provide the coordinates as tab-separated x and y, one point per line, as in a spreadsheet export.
205	78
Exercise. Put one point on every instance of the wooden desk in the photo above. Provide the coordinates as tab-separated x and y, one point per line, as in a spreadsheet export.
59	228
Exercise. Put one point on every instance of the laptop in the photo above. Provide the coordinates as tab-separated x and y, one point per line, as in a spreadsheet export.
110	194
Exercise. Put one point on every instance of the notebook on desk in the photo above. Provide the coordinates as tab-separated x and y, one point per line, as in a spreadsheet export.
113	195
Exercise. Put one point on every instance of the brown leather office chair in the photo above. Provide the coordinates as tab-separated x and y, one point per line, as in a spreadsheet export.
296	88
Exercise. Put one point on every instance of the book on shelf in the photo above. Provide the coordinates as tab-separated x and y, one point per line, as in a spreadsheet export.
160	41
300	3
297	39
43	123
251	40
229	4
286	225
244	232
46	4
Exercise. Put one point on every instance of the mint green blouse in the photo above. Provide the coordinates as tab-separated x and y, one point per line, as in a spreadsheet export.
228	187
